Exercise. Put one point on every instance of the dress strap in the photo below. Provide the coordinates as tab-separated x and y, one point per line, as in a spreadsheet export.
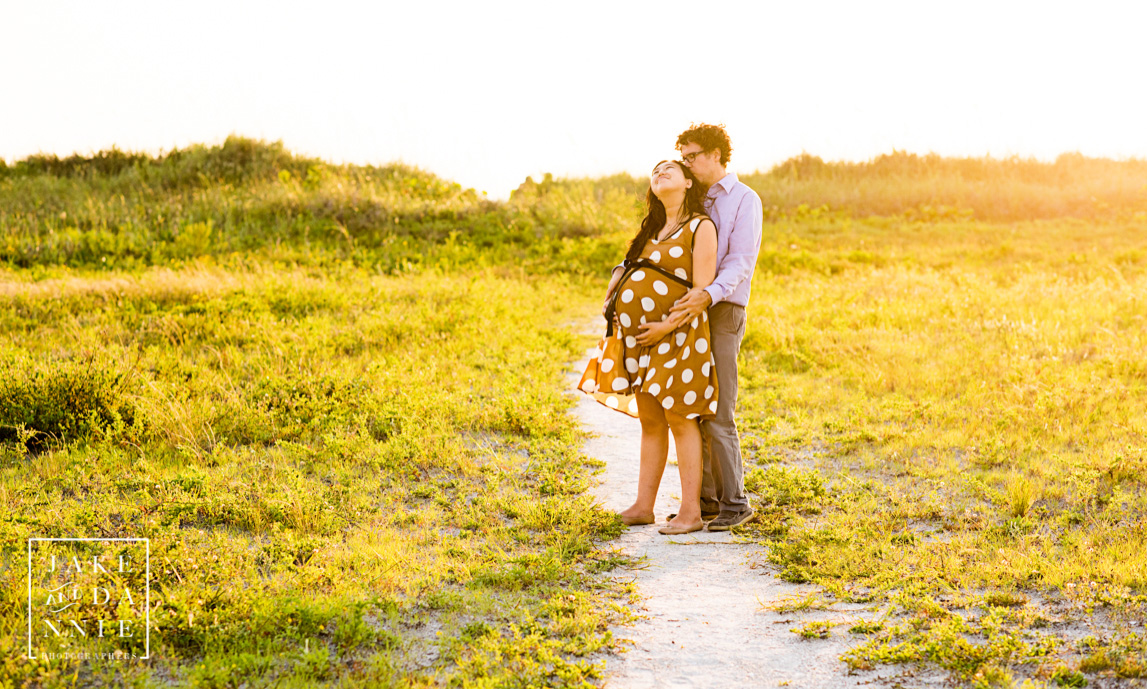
677	229
693	225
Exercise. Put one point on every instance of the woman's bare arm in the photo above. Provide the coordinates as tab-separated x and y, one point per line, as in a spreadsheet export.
697	299
704	255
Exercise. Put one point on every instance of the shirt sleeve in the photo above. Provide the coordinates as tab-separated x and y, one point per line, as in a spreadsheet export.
744	245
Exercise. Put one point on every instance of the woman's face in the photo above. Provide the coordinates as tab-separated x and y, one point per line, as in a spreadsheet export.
667	178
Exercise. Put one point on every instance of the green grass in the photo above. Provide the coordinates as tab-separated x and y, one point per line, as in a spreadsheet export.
814	630
332	397
931	188
338	462
246	198
947	423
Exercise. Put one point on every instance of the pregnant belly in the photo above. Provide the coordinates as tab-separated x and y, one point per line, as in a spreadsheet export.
645	297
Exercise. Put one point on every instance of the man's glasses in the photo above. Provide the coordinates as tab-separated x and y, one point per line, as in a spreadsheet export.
690	157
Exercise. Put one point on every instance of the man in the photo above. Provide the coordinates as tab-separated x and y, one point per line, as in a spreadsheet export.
737	211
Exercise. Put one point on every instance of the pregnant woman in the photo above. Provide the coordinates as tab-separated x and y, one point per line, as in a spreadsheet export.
649	365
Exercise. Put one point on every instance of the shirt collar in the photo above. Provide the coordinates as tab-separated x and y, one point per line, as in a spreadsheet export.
727	182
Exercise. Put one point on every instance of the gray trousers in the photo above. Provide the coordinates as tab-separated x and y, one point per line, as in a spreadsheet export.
723	481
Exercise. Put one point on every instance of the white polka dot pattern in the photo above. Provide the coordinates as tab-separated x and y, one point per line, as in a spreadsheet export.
619	369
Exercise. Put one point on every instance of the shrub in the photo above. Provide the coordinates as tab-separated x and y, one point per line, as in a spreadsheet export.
65	400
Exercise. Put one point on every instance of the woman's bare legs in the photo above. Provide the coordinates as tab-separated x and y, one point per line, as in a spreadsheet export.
687	438
655	426
654	453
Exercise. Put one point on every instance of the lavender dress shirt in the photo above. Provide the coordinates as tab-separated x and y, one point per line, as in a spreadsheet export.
737	211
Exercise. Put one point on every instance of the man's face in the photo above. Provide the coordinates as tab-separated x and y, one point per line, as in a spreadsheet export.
705	165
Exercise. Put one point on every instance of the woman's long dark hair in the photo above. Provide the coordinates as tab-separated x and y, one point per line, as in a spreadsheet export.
655	211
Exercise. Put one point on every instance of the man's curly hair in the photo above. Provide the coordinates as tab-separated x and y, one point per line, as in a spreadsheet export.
708	137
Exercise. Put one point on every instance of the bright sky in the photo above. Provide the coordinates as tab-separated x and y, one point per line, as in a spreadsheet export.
486	93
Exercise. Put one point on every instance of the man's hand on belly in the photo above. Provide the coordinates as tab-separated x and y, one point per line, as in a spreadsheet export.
690	306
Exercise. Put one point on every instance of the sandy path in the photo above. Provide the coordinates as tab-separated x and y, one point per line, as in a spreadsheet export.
704	623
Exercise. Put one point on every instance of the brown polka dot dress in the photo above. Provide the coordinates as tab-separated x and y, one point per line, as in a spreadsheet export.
678	369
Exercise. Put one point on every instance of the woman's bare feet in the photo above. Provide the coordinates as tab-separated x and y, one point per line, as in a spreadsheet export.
685	521
677	526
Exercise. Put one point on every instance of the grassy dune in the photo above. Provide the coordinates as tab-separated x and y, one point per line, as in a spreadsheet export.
249	199
331	396
934	188
958	410
350	473
341	474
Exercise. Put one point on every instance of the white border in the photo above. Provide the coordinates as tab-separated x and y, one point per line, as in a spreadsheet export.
147	588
